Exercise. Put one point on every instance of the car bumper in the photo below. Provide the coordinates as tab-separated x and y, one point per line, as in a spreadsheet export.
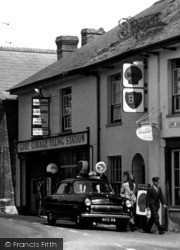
116	216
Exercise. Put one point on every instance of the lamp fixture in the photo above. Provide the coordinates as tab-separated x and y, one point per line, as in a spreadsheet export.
39	91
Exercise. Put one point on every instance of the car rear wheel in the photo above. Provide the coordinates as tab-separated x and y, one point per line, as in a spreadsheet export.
50	219
121	225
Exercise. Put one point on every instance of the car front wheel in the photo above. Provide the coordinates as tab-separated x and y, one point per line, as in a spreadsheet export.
50	219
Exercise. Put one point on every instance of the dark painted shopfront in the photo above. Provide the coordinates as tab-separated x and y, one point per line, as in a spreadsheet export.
51	160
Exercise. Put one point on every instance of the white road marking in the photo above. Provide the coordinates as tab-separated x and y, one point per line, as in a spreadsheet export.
86	234
118	245
73	231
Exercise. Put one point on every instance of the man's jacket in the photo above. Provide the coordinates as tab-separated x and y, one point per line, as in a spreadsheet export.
154	197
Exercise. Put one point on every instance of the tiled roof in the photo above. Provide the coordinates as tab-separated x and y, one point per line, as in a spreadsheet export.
16	64
109	46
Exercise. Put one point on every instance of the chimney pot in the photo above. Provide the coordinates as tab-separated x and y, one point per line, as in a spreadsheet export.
88	35
66	45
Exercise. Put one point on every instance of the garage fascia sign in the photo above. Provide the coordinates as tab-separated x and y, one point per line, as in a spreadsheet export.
147	132
72	140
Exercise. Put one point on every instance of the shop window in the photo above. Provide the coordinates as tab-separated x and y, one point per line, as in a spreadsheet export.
176	177
176	86
66	109
114	99
116	173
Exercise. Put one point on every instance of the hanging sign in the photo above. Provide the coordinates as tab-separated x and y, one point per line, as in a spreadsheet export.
147	132
141	202
52	168
133	75
100	167
40	116
133	100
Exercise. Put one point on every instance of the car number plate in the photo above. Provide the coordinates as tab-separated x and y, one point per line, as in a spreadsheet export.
108	220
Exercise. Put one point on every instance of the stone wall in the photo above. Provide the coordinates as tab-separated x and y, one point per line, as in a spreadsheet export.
8	137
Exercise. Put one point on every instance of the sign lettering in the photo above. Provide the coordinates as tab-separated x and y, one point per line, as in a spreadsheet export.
142	27
53	143
40	117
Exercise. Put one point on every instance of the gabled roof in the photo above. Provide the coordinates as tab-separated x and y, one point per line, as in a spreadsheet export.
16	64
109	46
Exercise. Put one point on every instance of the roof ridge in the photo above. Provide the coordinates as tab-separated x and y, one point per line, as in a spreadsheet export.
23	49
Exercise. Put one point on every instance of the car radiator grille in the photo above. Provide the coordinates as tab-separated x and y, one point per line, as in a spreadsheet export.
106	209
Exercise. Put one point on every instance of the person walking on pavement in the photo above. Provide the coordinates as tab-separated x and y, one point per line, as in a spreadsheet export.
128	190
153	199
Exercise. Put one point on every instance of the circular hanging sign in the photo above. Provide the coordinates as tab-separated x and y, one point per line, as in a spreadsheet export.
52	168
100	167
147	132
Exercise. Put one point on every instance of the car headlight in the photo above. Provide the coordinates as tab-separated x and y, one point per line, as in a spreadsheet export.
128	203
87	202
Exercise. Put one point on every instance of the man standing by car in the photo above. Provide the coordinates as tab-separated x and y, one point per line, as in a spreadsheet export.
153	199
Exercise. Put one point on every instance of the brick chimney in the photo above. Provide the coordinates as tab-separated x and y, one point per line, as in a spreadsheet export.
88	35
66	45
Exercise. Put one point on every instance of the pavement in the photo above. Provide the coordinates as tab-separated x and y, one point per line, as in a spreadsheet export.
30	218
43	220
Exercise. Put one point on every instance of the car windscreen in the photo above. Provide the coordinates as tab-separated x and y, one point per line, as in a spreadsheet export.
92	187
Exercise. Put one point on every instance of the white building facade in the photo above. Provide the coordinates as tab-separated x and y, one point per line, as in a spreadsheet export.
93	115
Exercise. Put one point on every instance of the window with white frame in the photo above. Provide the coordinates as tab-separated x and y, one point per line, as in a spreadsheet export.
176	177
116	173
176	85
66	109
116	99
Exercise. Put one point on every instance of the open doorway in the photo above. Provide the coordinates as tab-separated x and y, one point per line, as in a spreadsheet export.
138	169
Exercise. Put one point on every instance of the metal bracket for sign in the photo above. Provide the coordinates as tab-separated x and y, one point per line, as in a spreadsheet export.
139	122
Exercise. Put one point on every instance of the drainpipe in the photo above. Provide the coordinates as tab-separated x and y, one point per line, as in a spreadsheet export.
98	117
98	112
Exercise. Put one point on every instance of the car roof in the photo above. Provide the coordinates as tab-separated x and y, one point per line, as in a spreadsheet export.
83	179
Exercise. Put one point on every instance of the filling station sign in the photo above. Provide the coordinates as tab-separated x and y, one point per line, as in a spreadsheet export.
79	139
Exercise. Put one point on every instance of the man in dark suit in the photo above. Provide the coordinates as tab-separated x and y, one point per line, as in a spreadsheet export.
153	199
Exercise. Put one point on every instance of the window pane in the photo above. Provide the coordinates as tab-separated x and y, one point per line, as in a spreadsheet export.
66	108
176	178
177	197
176	89
115	163
116	113
116	98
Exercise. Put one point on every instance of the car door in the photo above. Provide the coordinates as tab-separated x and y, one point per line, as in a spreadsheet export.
56	202
67	200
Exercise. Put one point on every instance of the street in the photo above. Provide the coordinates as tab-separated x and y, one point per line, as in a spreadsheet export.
98	238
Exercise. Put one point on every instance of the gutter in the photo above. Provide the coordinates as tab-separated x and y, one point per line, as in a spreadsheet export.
98	118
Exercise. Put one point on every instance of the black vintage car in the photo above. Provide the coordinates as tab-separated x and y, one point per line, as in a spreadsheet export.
87	200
